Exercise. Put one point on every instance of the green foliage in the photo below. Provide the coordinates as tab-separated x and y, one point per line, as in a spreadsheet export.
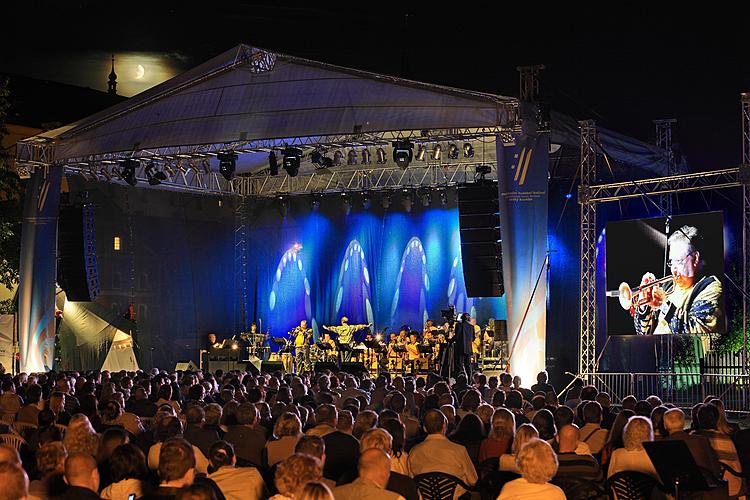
10	204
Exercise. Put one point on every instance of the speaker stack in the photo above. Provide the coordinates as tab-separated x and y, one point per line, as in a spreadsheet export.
76	240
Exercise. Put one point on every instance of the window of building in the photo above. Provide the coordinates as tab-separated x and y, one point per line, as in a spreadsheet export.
117	244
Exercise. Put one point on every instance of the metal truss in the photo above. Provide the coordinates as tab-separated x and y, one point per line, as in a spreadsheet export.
745	179
664	141
587	341
240	265
360	179
529	82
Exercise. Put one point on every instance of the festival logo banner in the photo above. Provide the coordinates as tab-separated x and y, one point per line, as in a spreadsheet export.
523	183
36	305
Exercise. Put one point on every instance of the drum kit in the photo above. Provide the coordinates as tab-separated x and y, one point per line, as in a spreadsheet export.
256	344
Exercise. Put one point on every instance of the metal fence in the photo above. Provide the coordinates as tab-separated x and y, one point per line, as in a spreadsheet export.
681	389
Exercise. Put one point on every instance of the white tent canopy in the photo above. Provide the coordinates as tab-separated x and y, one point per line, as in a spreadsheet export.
121	355
247	95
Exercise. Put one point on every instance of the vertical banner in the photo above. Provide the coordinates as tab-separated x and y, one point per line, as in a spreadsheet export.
36	305
523	183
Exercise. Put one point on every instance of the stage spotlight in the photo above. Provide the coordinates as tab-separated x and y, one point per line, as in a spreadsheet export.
106	174
402	153
128	171
426	199
366	201
421	150
291	162
381	155
316	201
168	169
338	158
437	152
320	160
283	206
366	157
316	156
468	150
453	152
385	201
227	163
347	203
351	157
443	198
483	170
273	164
154	176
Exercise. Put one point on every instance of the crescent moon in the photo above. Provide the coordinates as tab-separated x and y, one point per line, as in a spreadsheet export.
139	72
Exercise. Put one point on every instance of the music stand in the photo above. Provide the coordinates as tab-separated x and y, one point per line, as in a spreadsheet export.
375	345
676	466
323	346
425	349
399	348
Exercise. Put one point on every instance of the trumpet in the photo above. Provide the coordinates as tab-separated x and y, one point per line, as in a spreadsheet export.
631	297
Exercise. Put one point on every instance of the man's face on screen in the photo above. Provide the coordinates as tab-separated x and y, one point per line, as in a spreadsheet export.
683	263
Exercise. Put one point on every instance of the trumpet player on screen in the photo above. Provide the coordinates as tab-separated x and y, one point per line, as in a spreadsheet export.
692	305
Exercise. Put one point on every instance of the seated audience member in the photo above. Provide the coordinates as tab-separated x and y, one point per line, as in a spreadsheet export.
614	439
196	492
365	421
538	464
398	483
169	428
657	421
29	412
287	431
342	450
542	385
514	402
700	447
374	470
399	455
571	464
527	394
236	483
501	436
591	433
14	481
112	415
633	457
315	447
723	424
140	404
56	403
524	434
315	490
195	433
537	403
643	409
545	424
176	469
722	444
128	472
608	417
80	436
628	403
110	440
50	462
82	477
437	454
294	472
345	422
564	416
9	454
469	434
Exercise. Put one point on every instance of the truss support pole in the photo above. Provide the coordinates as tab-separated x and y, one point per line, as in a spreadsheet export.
240	265
664	141
529	90
744	177
587	341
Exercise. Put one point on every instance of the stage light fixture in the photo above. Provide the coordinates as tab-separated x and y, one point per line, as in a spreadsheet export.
381	155
128	171
453	151
316	156
206	166
403	153
385	201
426	199
227	163
347	203
168	169
283	205
366	200
483	170
106	174
351	157
338	158
320	160
468	150
421	150
443	198
292	157
154	176
273	164
366	157
437	152
316	201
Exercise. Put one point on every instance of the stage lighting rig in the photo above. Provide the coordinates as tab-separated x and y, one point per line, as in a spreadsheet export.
338	158
443	198
316	201
421	150
437	152
366	200
382	156
403	153
227	163
366	157
128	171
351	157
426	198
154	176
453	151
468	150
483	170
320	160
292	157
273	164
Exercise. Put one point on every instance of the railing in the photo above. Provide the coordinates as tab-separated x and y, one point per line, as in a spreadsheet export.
681	389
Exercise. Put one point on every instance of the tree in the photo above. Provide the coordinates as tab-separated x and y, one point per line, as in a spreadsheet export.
11	196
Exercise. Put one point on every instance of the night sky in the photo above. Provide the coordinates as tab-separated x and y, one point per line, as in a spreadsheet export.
620	64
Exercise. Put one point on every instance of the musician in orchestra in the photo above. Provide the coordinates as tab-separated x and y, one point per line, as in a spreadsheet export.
430	330
345	333
412	351
212	343
695	303
403	335
302	336
327	340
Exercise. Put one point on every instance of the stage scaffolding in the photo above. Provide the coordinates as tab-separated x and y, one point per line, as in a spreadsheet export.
590	195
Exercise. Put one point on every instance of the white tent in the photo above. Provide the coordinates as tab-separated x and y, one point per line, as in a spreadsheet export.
121	355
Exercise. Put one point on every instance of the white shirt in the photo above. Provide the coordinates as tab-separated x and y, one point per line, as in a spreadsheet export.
201	462
636	460
437	454
522	489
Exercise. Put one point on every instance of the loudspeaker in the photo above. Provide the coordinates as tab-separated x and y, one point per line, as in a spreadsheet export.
76	242
186	365
271	366
324	365
353	367
501	329
479	228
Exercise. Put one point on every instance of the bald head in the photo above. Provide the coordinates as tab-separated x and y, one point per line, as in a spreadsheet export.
674	420
9	454
375	465
81	471
568	436
15	483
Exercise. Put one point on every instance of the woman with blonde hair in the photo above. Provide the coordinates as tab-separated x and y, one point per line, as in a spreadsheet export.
80	436
315	490
633	457
381	439
502	432
288	430
538	465
294	473
524	434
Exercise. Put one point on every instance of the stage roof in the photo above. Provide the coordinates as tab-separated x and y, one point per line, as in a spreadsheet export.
249	97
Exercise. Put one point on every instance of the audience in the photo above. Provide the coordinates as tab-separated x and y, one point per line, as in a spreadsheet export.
14	481
633	457
82	477
236	483
524	434
128	472
293	473
538	465
374	470
399	483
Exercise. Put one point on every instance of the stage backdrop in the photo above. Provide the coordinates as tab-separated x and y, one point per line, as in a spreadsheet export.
390	267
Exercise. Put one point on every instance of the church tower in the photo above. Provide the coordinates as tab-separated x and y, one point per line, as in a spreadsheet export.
112	85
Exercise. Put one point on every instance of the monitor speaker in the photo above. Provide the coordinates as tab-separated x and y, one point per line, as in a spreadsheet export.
271	366
186	365
353	367
324	365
